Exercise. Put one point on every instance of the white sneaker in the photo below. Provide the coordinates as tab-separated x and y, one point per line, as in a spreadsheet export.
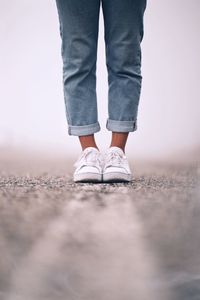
116	166
88	166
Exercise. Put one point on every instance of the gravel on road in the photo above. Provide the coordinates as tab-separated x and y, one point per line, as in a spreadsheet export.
66	240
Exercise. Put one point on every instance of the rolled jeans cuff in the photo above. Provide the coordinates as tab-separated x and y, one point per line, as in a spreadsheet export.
83	129
121	126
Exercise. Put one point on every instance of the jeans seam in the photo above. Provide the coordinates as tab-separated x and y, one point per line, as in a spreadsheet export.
66	108
76	129
133	124
84	126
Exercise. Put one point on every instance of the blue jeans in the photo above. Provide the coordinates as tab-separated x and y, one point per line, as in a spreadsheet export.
123	23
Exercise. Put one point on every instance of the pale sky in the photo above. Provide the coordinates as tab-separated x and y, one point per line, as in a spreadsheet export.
32	109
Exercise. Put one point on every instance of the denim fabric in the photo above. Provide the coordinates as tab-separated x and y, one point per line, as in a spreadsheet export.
123	33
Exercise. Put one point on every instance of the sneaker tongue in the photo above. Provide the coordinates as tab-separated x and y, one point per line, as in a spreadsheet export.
115	148
91	149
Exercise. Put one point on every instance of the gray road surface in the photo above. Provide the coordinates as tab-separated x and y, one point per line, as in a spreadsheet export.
60	240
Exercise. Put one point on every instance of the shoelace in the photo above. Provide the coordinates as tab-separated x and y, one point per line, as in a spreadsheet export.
93	159
113	158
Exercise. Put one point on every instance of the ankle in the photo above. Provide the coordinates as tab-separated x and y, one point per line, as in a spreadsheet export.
88	141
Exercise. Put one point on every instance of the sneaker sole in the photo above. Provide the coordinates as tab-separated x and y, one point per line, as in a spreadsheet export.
88	177
117	177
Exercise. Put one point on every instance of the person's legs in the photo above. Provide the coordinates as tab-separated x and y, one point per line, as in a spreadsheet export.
79	20
119	139
123	35
123	21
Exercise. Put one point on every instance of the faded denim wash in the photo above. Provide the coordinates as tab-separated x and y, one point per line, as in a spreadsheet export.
123	33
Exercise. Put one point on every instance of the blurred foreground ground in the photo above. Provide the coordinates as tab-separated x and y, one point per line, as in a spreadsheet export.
60	240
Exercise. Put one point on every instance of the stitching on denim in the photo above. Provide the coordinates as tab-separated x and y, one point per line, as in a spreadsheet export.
110	124
85	126
66	106
76	130
121	121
